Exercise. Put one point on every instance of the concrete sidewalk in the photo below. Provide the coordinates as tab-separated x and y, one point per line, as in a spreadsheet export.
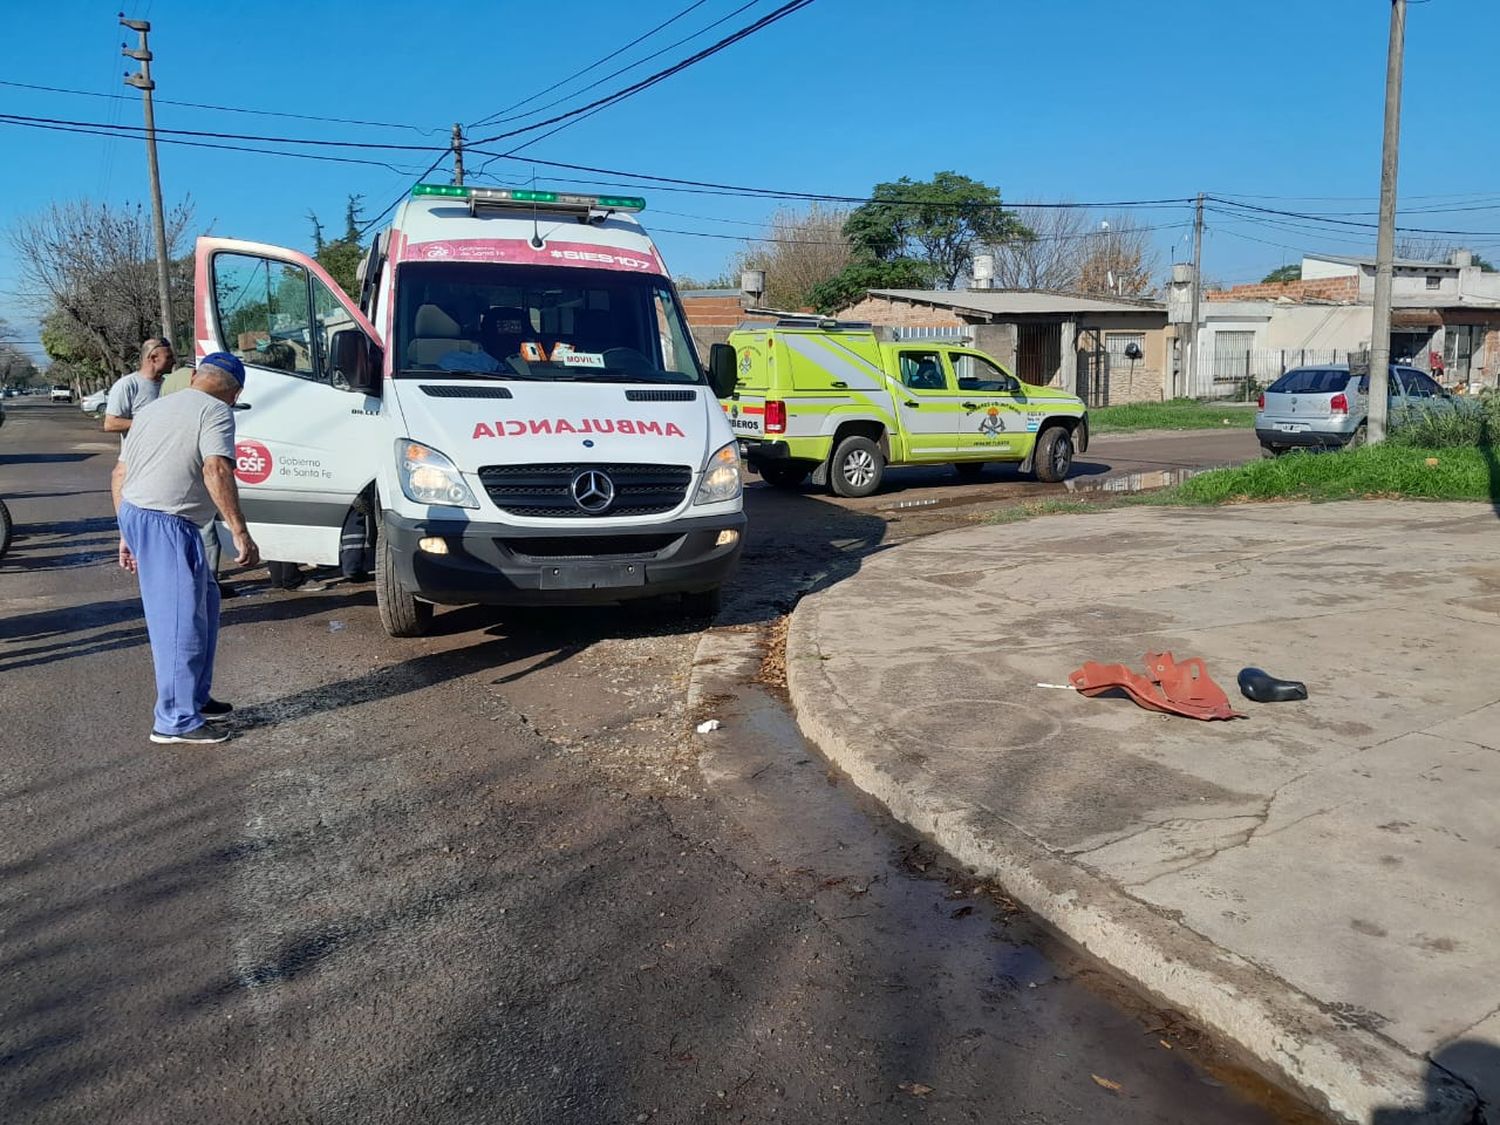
1319	882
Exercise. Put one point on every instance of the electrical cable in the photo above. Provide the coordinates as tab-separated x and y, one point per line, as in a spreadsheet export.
498	114
92	132
776	15
230	108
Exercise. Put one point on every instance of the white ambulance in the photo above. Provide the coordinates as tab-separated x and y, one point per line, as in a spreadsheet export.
512	413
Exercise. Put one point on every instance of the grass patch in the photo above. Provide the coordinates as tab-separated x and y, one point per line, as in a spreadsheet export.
1178	414
1393	469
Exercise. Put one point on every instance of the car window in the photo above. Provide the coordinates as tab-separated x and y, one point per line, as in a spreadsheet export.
923	371
1311	381
1419	385
975	373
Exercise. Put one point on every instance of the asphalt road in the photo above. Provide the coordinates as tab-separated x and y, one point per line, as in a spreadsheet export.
479	877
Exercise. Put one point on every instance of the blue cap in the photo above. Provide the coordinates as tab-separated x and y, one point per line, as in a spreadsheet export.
229	364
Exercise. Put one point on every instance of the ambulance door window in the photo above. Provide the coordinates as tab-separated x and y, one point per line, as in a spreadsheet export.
264	310
329	316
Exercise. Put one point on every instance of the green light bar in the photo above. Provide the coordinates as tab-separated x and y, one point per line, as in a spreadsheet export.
551	200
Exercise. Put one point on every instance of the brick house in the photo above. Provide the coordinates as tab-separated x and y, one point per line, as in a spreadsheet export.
1249	334
1079	342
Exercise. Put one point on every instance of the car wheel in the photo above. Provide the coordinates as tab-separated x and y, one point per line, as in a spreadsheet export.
858	467
5	528
1358	437
789	475
1271	450
401	614
1054	455
969	470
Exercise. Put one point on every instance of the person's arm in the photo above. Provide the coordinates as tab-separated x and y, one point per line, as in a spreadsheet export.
218	475
116	486
117	413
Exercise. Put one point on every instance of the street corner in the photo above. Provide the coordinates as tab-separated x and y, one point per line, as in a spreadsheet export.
1294	873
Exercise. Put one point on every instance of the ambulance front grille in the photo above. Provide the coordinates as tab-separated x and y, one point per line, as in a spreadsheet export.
547	490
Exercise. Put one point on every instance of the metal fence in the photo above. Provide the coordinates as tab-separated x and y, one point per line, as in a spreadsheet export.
945	334
1240	375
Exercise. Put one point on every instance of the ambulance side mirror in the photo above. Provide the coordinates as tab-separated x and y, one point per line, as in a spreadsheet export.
356	362
723	371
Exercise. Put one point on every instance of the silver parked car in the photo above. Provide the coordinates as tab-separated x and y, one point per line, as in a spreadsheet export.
1326	407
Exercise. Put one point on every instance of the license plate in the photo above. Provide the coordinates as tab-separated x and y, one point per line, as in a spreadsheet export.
1292	427
593	576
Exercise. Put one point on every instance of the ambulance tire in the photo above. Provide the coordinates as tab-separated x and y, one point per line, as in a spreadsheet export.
857	467
1053	456
789	475
5	528
401	614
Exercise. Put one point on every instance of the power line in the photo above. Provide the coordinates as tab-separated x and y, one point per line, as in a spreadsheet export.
230	108
498	114
823	197
93	132
778	14
1349	222
134	130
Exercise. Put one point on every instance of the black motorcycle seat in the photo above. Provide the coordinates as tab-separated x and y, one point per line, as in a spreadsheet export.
1266	688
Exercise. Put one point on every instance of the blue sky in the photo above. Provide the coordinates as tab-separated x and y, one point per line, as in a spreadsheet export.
1278	103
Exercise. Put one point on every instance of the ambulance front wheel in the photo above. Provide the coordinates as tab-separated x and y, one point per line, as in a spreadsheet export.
857	468
401	614
1054	455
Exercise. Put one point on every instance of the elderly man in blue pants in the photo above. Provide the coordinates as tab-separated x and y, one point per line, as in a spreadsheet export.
178	468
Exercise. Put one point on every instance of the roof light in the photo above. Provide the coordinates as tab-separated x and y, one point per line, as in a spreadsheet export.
524	197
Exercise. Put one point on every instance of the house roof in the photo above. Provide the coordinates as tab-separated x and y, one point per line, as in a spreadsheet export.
1405	263
1017	302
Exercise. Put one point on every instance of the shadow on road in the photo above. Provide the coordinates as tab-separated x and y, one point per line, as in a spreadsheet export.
43	458
1475	1062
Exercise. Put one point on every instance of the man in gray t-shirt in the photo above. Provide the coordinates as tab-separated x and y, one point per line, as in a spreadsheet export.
132	392
176	469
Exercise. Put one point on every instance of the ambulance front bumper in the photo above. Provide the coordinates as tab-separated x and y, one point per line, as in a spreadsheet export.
500	564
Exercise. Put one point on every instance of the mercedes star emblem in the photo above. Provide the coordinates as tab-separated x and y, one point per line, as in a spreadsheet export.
593	491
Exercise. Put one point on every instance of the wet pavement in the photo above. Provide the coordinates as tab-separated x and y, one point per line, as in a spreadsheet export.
492	875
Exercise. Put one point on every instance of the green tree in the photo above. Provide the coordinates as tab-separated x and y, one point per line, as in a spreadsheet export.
915	234
856	278
340	256
1283	273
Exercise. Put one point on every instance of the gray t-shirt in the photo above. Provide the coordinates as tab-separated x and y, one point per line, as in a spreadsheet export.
131	392
169	441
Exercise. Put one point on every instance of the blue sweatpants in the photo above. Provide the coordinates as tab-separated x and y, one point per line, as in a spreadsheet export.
181	600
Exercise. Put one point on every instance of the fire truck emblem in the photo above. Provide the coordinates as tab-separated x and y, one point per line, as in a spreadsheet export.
991	426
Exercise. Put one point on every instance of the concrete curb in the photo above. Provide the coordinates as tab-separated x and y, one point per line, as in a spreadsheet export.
1351	1072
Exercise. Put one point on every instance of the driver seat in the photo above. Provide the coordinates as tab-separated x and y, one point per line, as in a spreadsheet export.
434	335
501	330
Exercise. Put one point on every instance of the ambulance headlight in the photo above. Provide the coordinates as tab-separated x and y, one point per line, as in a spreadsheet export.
429	477
721	476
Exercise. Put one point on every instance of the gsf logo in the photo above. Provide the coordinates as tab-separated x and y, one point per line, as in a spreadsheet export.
252	462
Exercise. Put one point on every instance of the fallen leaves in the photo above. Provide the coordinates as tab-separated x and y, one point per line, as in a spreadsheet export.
1106	1083
915	1089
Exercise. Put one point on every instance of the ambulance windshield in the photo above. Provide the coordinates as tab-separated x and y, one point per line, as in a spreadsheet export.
486	320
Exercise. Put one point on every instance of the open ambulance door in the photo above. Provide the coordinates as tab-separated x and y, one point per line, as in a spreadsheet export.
307	425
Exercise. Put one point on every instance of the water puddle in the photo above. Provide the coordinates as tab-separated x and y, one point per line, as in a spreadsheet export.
951	949
1147	480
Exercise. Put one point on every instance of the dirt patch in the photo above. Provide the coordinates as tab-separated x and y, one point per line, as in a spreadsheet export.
772	671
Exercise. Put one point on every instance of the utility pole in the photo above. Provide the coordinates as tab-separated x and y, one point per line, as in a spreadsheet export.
458	154
1189	381
142	82
1385	242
